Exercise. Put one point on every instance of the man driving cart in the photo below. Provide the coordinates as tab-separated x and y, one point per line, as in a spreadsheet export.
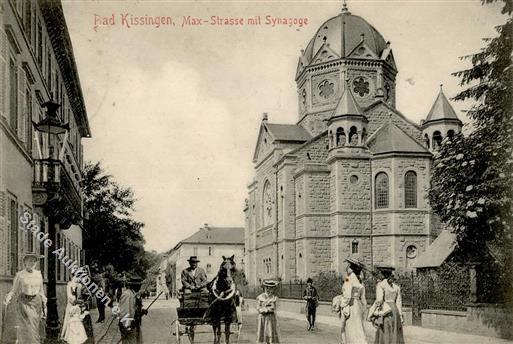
194	278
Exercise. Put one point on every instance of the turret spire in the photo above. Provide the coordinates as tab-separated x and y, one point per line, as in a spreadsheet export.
347	105
441	109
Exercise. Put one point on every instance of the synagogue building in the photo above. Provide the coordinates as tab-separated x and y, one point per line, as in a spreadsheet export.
351	176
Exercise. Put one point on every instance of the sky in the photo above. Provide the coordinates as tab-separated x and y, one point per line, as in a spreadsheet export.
175	111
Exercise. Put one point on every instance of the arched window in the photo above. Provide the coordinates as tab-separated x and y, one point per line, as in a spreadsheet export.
381	190
330	138
426	140
450	134
410	189
364	136
353	136
341	137
268	204
209	268
437	139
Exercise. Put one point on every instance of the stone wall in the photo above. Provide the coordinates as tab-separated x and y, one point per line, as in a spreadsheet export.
480	319
318	258
316	151
383	249
401	243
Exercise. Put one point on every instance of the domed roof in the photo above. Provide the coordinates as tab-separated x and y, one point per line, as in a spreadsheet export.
332	32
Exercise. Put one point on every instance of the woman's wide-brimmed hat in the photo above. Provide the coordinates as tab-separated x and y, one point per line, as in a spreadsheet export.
32	255
355	260
270	283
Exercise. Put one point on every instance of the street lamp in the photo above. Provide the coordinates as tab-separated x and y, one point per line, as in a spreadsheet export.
48	176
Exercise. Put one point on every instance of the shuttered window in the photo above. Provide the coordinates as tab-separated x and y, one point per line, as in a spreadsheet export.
13	94
13	249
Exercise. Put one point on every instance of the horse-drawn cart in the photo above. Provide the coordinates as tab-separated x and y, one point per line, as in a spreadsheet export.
193	313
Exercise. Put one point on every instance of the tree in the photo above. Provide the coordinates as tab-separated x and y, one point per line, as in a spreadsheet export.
471	185
111	236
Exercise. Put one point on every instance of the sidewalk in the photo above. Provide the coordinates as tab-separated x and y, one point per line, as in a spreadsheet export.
412	334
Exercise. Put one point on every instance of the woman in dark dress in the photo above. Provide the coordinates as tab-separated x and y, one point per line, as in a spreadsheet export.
390	329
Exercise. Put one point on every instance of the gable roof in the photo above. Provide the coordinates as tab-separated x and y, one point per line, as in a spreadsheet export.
217	235
281	132
390	138
441	109
287	132
438	251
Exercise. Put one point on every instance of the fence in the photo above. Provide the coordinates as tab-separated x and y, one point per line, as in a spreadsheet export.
421	291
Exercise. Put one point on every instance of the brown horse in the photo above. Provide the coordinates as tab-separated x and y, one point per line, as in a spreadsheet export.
222	300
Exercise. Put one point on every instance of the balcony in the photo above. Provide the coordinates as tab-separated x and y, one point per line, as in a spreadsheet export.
54	187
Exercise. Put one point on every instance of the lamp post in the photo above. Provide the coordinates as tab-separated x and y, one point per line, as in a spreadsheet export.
50	167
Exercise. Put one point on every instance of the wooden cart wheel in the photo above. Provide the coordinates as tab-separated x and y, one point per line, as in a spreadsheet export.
178	334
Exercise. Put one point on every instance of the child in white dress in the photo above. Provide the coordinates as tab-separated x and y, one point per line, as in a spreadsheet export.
75	332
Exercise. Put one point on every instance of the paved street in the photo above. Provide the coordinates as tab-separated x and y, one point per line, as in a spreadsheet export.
157	329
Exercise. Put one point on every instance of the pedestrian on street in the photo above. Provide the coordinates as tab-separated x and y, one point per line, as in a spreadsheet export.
73	329
84	300
131	312
99	304
71	301
267	325
388	306
28	291
353	303
312	301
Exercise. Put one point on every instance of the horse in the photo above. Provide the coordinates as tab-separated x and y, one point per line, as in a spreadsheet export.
222	300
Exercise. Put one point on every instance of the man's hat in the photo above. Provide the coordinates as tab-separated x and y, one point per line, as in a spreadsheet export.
135	280
384	268
193	259
309	280
32	255
270	283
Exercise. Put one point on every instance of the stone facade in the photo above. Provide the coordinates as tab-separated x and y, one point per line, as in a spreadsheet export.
357	181
36	65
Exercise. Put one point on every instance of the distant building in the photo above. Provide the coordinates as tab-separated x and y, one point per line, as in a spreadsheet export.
351	176
209	244
36	65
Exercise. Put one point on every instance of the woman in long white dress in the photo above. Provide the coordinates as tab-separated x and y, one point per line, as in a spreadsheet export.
353	304
71	293
267	326
31	300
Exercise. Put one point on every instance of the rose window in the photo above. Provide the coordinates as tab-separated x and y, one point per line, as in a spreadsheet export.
326	89
361	86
